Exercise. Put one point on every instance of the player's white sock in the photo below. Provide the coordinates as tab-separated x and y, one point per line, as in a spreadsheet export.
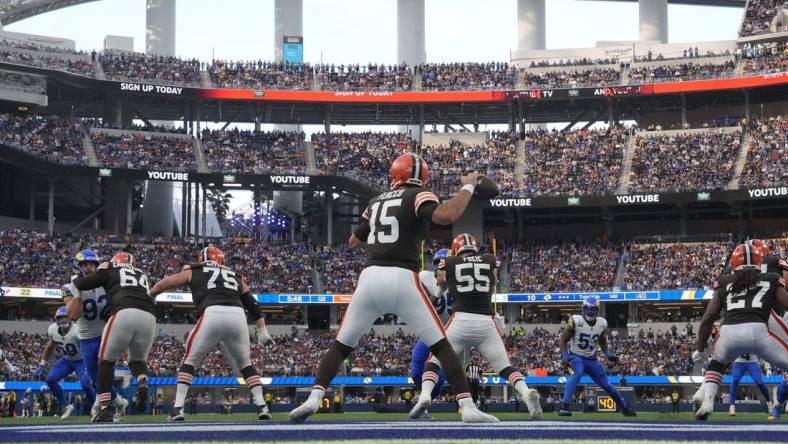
521	387
466	403
709	392
257	393
181	391
118	401
426	388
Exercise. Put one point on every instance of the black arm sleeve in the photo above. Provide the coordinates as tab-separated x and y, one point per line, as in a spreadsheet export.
362	231
251	305
426	209
95	280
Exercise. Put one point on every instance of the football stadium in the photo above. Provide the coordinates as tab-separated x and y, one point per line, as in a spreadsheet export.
400	221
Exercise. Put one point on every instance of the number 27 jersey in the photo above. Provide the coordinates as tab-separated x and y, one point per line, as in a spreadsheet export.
752	305
399	221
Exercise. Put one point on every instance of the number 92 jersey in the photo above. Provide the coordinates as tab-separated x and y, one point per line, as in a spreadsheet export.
752	305
586	336
95	310
68	345
126	286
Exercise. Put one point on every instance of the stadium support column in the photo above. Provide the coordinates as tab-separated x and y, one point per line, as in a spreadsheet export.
204	211
197	212
184	231
683	109
160	27
531	25
653	18
288	20
329	218
747	105
157	215
411	47
51	208
129	201
32	214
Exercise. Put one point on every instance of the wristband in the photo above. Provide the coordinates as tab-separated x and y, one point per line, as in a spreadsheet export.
469	188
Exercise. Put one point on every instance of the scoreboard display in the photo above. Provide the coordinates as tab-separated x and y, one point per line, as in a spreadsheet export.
605	404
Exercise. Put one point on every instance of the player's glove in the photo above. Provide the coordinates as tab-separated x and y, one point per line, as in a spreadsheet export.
263	337
566	356
697	356
611	357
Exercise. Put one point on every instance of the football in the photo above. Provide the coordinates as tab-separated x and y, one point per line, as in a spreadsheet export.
486	188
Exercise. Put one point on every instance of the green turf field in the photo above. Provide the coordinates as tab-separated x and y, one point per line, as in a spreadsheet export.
646	416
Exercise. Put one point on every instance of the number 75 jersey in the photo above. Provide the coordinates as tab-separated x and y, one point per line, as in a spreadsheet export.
95	310
586	337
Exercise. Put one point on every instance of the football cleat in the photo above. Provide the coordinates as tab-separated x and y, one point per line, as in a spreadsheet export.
629	412
475	416
263	413
176	414
532	402
564	412
121	404
302	412
422	404
104	415
732	410
774	413
142	396
67	411
704	411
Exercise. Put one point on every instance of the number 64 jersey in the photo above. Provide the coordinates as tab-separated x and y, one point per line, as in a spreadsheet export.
95	310
126	286
586	337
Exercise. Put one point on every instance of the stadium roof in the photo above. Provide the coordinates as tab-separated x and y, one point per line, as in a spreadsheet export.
16	10
726	3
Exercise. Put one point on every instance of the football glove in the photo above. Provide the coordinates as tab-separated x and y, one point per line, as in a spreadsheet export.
697	356
263	337
40	370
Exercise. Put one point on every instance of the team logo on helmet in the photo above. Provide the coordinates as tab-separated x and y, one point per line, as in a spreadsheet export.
590	308
761	246
61	317
85	256
409	169
464	242
123	258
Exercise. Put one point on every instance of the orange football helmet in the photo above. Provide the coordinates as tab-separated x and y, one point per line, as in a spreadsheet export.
746	256
409	168
761	246
212	254
123	257
464	242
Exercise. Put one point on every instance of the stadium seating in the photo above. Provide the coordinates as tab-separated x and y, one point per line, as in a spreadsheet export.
684	161
260	74
768	57
767	159
150	68
237	151
364	78
572	78
144	151
53	139
339	268
694	70
573	162
652	266
466	76
759	16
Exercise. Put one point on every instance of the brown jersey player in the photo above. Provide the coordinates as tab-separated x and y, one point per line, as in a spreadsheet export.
393	227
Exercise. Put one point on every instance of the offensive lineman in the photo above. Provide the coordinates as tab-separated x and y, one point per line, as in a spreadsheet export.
131	326
90	309
63	337
393	227
587	331
470	278
747	297
220	297
747	363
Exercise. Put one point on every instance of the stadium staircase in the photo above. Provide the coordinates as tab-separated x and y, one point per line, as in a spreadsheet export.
621	270
199	156
99	71
416	82
626	170
519	164
90	151
625	75
519	83
741	161
309	158
205	79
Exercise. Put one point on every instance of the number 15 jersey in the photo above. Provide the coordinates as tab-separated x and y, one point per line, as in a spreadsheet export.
398	222
126	286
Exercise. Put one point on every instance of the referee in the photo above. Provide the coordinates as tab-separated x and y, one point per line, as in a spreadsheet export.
473	372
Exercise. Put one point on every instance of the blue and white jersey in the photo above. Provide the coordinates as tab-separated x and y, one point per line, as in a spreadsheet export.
95	310
67	345
443	305
747	358
586	337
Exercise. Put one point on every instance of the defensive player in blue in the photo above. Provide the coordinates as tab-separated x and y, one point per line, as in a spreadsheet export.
91	310
63	337
782	397
747	363
440	299
586	332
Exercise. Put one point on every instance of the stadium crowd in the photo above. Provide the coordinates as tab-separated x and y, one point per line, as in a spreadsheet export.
144	151
56	140
68	63
680	72
149	68
563	266
371	77
236	151
259	74
654	266
767	159
758	16
573	162
466	76
573	78
766	57
699	161
339	267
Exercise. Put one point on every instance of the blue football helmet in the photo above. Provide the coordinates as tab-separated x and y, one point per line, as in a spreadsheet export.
85	256
62	319
440	254
590	308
